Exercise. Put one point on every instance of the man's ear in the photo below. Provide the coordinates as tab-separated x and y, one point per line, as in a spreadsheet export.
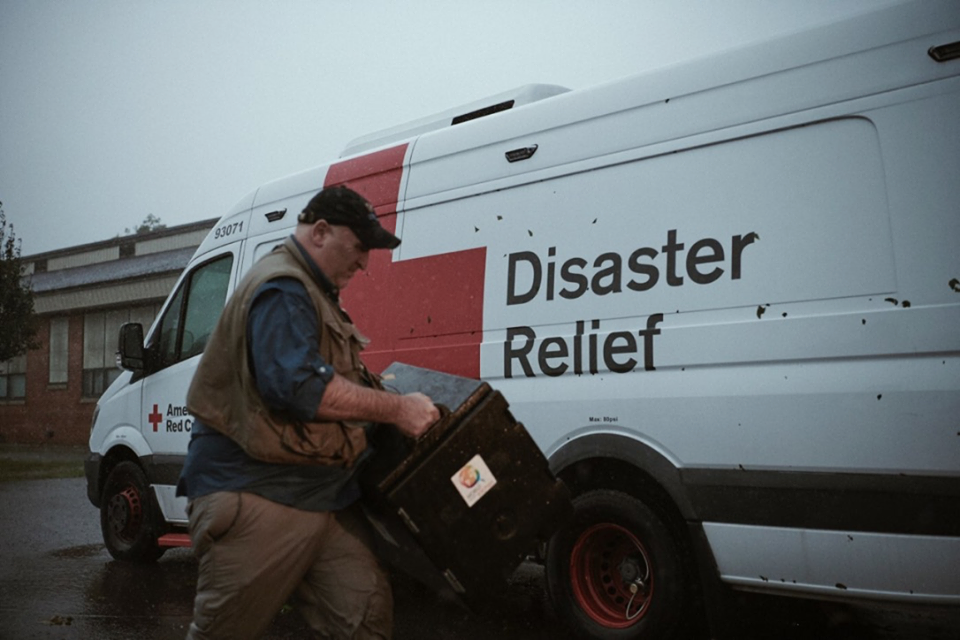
319	232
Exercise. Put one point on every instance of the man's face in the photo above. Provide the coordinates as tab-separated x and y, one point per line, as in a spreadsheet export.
340	253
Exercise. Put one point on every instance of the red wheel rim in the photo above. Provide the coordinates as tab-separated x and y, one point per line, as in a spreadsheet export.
598	580
125	513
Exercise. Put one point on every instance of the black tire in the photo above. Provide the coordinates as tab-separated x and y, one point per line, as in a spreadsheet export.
128	515
615	541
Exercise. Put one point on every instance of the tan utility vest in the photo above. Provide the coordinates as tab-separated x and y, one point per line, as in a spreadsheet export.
223	393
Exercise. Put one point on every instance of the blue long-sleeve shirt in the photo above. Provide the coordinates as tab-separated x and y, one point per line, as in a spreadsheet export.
284	349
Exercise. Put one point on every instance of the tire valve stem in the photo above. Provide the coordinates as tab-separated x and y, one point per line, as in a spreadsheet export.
633	577
635	587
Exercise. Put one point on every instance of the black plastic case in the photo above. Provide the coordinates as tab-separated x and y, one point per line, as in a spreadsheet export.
463	506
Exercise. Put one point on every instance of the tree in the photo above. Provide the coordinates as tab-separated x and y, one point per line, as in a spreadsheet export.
150	223
18	322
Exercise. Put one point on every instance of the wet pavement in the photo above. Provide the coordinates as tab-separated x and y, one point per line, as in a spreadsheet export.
58	581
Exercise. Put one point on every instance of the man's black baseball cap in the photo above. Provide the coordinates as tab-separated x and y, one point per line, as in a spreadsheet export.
344	206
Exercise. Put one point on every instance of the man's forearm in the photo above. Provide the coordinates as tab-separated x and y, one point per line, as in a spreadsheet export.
412	413
345	400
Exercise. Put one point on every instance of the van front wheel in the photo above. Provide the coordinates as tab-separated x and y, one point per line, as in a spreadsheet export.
615	571
127	515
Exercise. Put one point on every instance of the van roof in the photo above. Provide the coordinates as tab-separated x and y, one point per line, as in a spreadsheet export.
873	27
477	109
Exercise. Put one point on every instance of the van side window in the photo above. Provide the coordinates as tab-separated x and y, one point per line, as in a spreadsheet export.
168	329
266	247
193	312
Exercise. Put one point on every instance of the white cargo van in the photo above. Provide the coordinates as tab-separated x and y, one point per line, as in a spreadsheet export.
723	297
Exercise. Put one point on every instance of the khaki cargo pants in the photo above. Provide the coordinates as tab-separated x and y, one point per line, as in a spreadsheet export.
254	554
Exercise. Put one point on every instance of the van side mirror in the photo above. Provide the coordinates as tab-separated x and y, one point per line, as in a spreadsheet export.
130	347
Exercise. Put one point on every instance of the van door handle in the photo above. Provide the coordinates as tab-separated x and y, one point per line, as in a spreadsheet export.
523	153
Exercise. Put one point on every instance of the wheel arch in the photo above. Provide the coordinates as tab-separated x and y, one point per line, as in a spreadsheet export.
116	452
612	461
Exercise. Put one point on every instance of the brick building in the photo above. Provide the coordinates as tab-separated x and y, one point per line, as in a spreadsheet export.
82	295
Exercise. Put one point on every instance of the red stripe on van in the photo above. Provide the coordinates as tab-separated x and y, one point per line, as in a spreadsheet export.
426	312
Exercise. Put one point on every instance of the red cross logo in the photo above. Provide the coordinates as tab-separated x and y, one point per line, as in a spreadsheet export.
155	418
450	285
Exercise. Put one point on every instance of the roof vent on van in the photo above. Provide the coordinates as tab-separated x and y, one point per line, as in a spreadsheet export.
486	111
945	52
479	109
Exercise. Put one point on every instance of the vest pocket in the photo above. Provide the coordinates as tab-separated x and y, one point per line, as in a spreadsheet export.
346	343
331	443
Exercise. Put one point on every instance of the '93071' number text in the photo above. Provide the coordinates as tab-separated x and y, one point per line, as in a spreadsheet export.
227	230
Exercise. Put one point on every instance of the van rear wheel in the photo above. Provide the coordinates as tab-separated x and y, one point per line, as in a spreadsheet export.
616	571
128	516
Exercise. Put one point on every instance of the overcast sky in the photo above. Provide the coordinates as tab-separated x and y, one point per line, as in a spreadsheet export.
111	110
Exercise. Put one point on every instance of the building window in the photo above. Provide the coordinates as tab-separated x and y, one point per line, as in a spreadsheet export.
101	330
59	350
13	378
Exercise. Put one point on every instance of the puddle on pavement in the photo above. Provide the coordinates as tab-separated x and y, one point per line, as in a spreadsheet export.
82	551
130	588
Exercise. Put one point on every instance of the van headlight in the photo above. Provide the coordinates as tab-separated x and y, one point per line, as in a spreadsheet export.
93	421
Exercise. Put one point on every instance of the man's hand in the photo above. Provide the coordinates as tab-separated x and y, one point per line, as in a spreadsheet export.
417	414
